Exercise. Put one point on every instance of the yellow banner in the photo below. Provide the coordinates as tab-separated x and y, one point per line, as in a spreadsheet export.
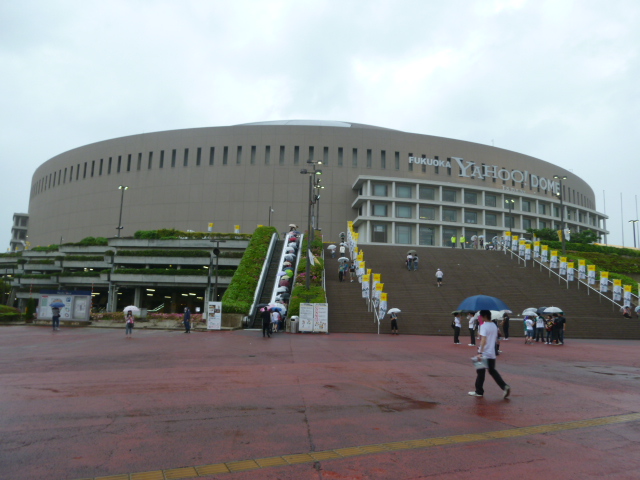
356	236
536	244
570	265
383	297
366	278
507	234
617	282
515	238
591	268
582	263
604	274
523	242
369	271
627	288
559	235
379	286
545	247
376	277
563	259
554	253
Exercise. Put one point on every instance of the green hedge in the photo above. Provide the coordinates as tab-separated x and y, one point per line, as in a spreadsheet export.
581	247
172	234
239	295
315	294
41	262
10	317
50	248
34	275
93	273
163	253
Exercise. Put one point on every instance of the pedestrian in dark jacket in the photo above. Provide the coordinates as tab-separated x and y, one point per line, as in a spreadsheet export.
266	322
187	320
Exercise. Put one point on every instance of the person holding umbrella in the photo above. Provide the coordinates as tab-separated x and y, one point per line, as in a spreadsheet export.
129	322
394	320
55	318
487	353
187	320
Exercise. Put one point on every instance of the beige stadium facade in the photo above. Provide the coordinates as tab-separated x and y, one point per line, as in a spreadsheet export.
398	188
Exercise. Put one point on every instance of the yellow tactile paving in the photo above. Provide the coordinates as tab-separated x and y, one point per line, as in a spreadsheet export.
157	475
212	469
243	465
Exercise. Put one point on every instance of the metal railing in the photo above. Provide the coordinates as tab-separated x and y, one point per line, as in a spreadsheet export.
578	280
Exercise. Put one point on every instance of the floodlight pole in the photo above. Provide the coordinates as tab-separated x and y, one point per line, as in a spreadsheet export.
633	225
560	194
120	227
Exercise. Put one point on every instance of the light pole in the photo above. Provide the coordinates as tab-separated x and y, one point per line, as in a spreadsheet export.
560	192
312	200
633	225
120	227
270	212
510	202
216	252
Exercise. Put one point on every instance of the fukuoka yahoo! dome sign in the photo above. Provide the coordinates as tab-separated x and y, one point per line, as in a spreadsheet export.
471	170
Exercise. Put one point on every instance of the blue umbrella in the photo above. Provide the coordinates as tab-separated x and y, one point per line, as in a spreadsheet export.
57	305
482	302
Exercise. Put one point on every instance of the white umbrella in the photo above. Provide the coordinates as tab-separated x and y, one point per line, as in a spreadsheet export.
280	274
394	310
282	289
506	311
289	249
343	259
133	309
530	311
496	315
289	256
293	225
473	237
552	310
331	247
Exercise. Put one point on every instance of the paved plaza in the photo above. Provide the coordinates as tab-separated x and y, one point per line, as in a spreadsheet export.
88	403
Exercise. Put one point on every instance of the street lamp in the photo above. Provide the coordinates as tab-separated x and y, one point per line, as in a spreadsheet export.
120	227
559	194
312	200
510	202
216	252
271	210
633	224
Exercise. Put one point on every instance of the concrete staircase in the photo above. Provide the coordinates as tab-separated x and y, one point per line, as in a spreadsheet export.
426	309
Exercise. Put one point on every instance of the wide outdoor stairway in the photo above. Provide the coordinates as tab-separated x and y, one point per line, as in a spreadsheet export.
426	308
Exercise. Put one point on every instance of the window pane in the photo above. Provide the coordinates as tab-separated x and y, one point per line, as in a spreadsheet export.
379	210
470	217
448	195
427	213
491	219
379	190
490	200
403	191
427	193
471	198
403	234
427	235
403	211
449	215
526	206
379	234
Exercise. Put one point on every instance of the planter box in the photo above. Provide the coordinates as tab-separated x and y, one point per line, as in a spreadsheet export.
81	280
200	280
232	320
125	243
83	250
90	264
42	267
198	261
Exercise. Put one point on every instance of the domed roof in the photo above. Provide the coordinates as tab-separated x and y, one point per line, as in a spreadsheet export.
314	123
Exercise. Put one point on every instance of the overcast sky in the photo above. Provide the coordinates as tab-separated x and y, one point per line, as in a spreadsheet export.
557	80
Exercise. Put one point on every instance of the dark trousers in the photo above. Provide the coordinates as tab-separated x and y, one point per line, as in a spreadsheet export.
472	336
187	326
456	334
480	374
56	322
340	275
540	334
266	329
505	329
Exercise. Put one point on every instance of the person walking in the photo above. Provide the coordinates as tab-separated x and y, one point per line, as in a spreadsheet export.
539	328
439	275
456	329
409	261
472	329
186	319
341	272
505	326
55	319
487	353
352	271
528	332
394	323
129	322
275	320
415	262
453	241
266	322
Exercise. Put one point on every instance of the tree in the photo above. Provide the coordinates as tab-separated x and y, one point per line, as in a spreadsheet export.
586	236
545	234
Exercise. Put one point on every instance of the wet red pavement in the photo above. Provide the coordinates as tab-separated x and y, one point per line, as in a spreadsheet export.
87	403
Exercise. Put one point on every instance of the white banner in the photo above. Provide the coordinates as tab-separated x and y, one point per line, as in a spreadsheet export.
582	271
214	316
521	249
554	261
570	274
592	276
617	292
563	269
527	252
627	297
545	255
383	309
604	284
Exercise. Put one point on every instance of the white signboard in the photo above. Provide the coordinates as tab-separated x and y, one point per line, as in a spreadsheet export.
314	317
214	316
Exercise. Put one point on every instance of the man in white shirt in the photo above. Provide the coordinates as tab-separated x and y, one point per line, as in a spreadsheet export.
487	351
439	275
